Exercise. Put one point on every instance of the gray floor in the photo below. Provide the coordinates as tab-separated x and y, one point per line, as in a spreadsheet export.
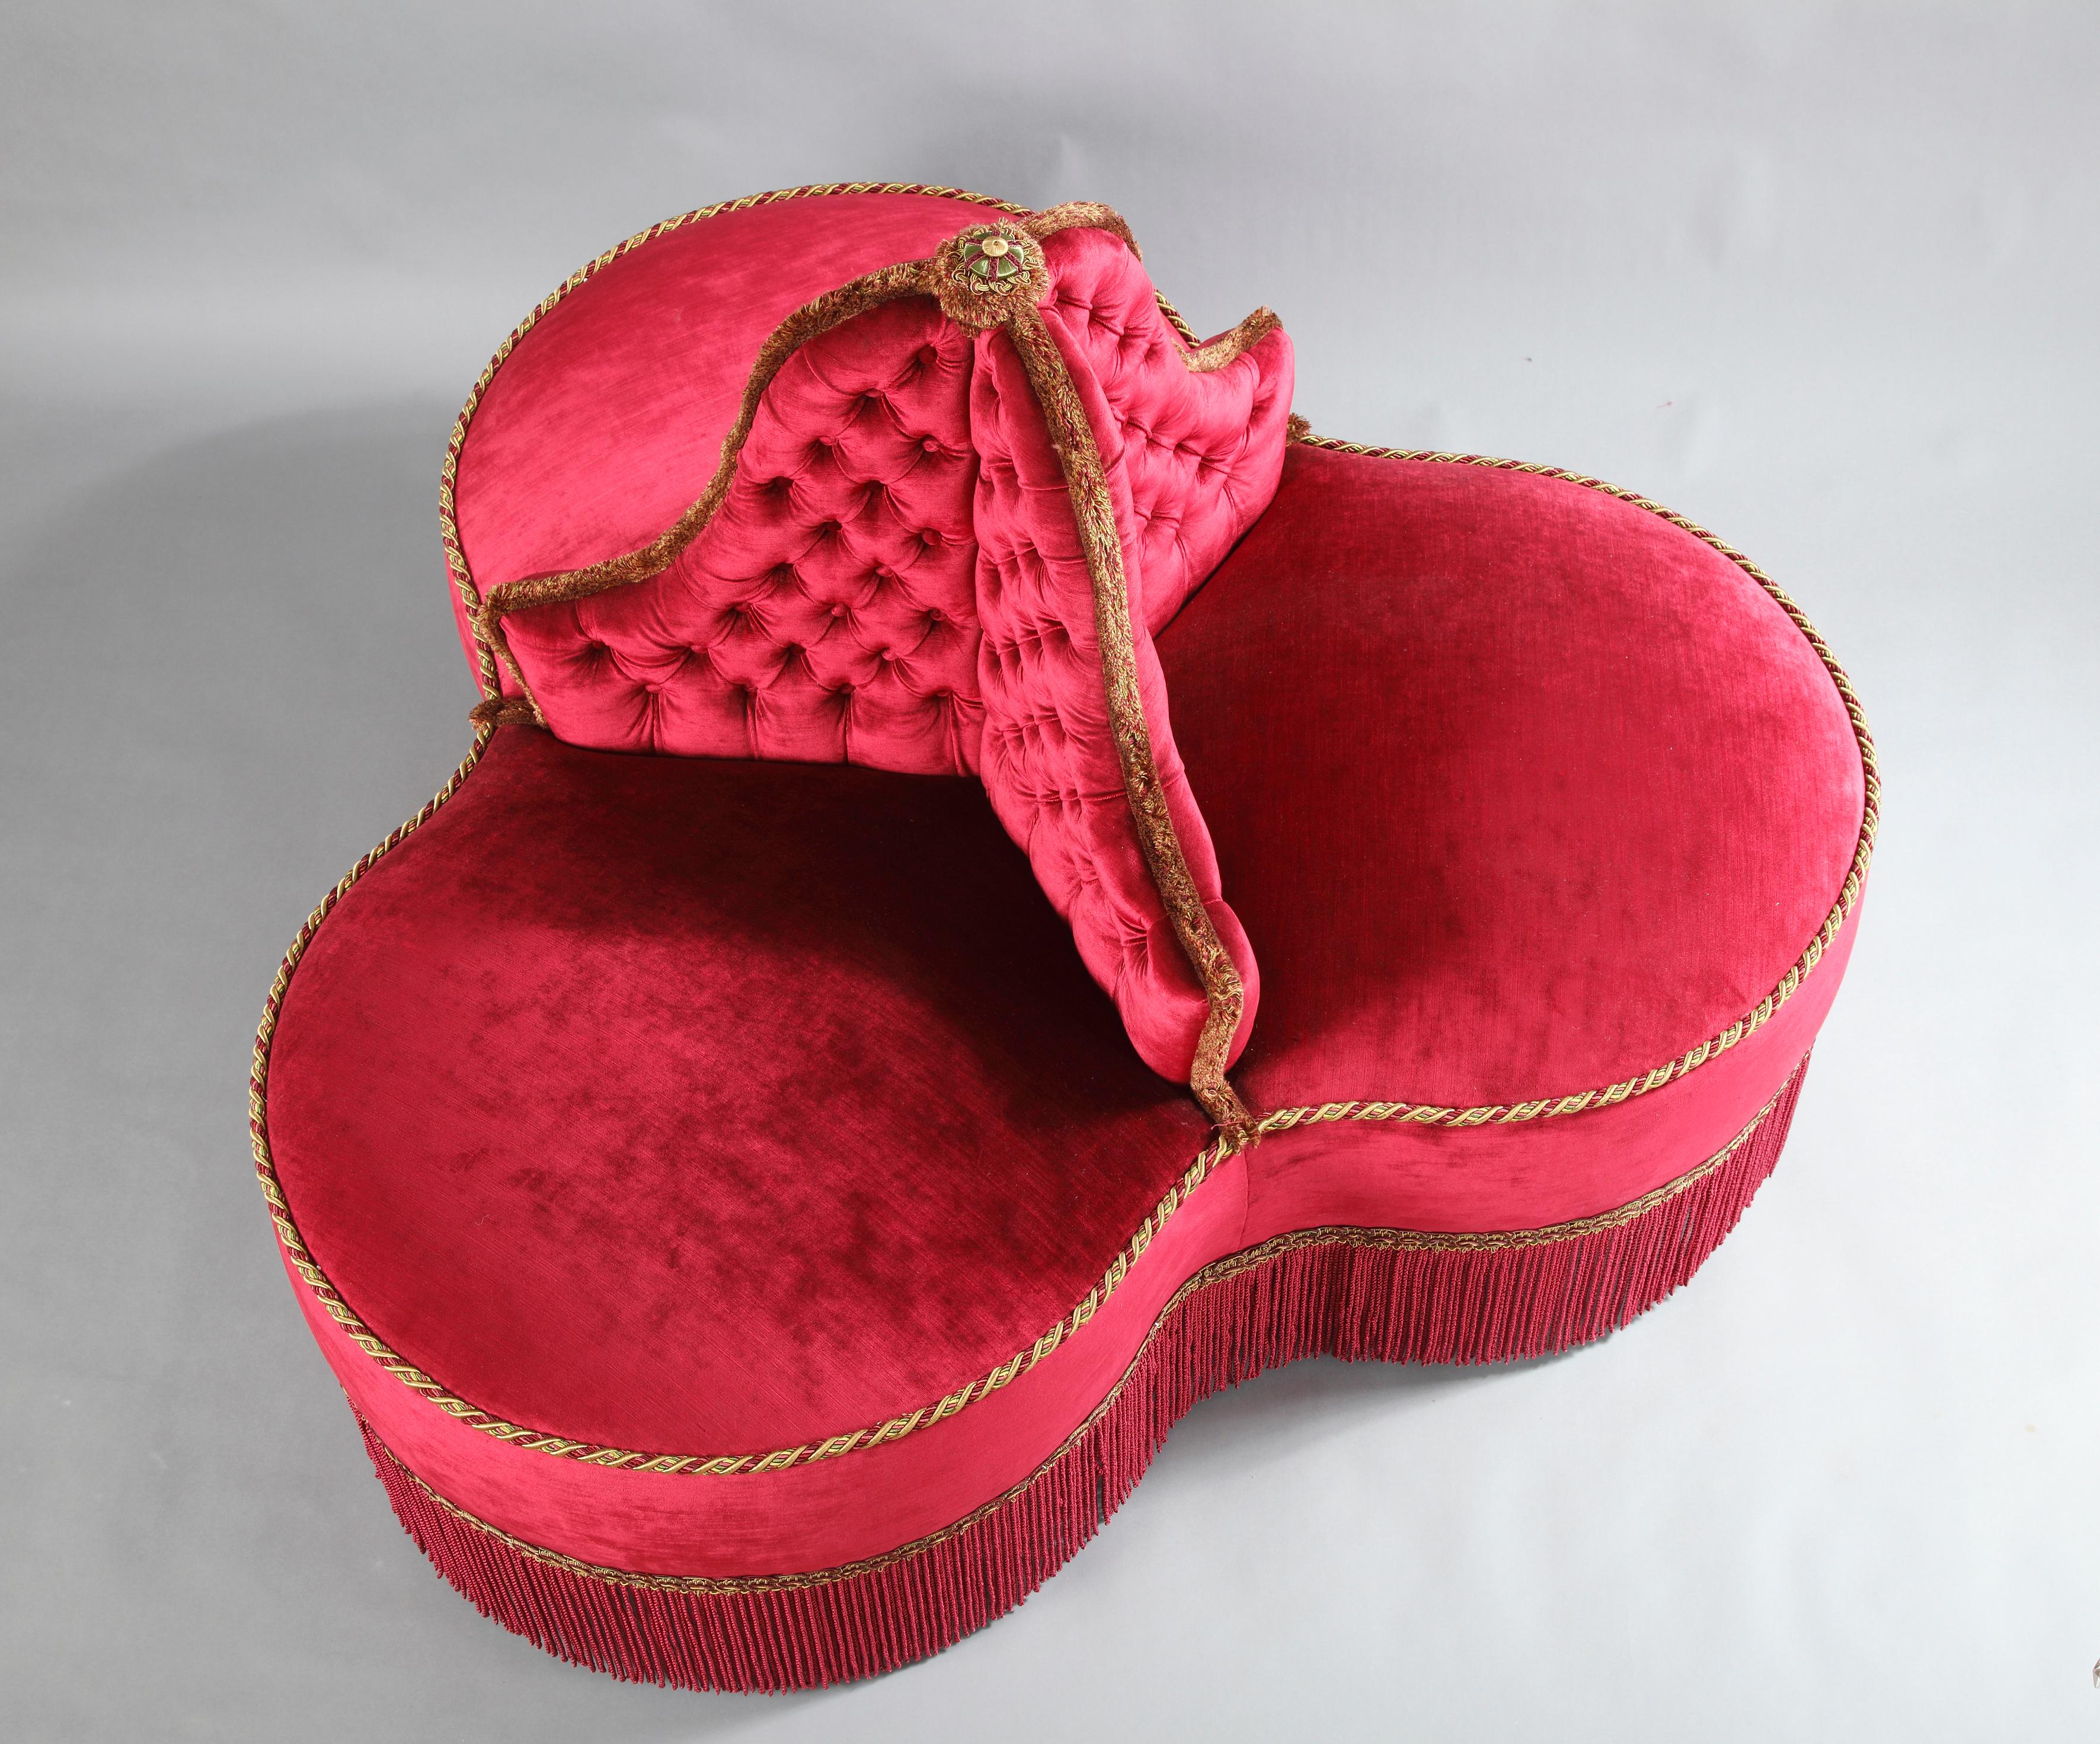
1821	278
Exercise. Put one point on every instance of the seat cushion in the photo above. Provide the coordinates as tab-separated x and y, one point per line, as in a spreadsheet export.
680	1104
1520	789
724	1172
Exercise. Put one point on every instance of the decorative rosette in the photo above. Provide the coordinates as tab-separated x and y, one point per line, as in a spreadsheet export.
989	261
986	273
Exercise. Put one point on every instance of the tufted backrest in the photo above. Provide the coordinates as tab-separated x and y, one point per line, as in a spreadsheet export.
938	541
1199	449
1189	457
827	612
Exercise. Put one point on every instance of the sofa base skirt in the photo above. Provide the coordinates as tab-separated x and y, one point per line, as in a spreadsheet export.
1358	1294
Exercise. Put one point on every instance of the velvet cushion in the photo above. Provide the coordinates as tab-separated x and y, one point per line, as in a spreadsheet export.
1519	790
689	1103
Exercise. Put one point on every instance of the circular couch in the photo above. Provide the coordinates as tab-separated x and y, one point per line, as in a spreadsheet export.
1001	885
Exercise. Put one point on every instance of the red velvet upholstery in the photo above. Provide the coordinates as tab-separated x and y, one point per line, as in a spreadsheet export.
796	1053
638	1116
1050	762
798	1056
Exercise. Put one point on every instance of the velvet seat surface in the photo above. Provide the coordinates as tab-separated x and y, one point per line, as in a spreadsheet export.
1519	789
796	1053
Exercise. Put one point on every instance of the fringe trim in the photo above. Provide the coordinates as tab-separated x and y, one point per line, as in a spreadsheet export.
1387	1295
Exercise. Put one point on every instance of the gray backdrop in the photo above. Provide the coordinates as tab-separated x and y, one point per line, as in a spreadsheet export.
1823	278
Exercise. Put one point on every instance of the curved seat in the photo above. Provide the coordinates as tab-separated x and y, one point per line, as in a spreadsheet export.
759	1246
1533	803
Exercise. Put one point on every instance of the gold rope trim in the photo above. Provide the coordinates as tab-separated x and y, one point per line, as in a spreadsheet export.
1549	1108
1093	509
1218	1271
456	564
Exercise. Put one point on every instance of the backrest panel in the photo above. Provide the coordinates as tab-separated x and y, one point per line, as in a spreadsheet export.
900	567
1050	761
827	613
1200	451
603	414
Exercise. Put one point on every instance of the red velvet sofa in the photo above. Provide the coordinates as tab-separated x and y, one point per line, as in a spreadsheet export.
1002	885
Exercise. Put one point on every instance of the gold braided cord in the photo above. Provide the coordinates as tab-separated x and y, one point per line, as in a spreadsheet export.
1217	1272
455	563
1550	1108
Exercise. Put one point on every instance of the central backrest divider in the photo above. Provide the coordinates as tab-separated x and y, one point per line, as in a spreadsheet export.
959	496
